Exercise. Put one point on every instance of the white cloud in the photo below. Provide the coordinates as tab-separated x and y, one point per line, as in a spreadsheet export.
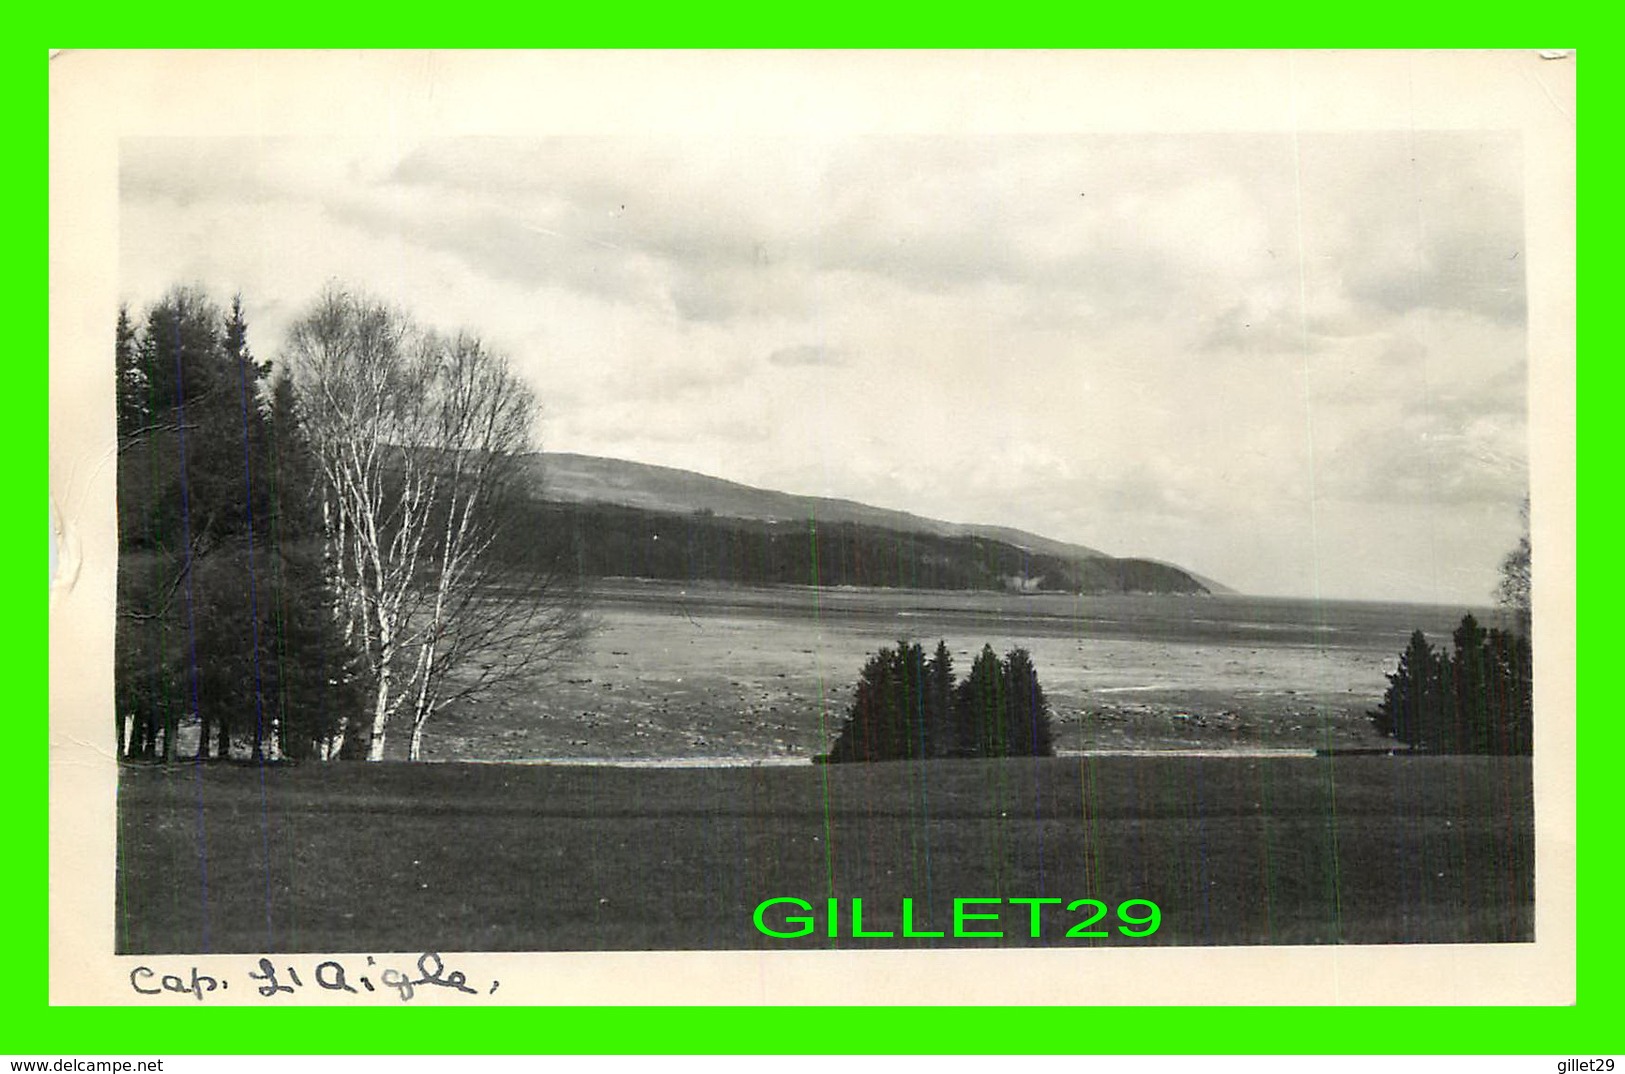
1280	364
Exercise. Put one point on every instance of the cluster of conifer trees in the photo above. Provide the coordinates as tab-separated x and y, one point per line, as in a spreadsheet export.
1477	698
907	706
224	623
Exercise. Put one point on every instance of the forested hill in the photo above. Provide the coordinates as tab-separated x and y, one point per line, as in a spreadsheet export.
615	519
567	478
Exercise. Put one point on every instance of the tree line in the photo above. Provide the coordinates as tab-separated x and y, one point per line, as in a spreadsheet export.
611	540
304	546
1478	696
909	707
221	623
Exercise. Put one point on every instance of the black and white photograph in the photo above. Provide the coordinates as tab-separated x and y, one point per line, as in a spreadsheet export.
846	536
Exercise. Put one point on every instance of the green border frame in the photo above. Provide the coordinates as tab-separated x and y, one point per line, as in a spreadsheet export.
1588	1027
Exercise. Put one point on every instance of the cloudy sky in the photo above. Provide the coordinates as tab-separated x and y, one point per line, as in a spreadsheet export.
1295	365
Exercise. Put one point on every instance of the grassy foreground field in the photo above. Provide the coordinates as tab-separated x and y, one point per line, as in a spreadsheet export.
396	857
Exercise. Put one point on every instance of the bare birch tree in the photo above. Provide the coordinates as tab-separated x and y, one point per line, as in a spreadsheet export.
1513	590
420	439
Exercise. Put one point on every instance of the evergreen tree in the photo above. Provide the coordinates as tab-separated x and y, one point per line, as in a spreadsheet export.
939	702
906	707
175	495
1478	698
318	685
979	708
1027	726
223	617
1470	725
132	379
1511	695
236	344
886	721
1413	709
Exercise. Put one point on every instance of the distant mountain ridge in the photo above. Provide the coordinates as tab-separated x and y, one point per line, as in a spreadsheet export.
570	478
610	498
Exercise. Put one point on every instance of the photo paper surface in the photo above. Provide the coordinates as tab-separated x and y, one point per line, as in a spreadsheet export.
812	527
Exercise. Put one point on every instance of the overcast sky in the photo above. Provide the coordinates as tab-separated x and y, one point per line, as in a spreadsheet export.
1295	365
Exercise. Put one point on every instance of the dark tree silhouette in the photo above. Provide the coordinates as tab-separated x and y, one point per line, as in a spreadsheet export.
1027	726
939	702
1416	695
1476	699
179	499
886	721
979	706
1002	711
223	621
1470	717
907	707
1510	661
131	385
320	685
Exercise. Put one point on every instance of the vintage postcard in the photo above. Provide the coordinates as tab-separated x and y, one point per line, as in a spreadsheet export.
812	527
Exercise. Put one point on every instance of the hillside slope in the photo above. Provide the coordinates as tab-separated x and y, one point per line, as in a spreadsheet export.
613	518
568	478
600	540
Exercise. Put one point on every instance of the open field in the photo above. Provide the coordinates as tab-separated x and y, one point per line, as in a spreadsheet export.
694	681
395	857
710	671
